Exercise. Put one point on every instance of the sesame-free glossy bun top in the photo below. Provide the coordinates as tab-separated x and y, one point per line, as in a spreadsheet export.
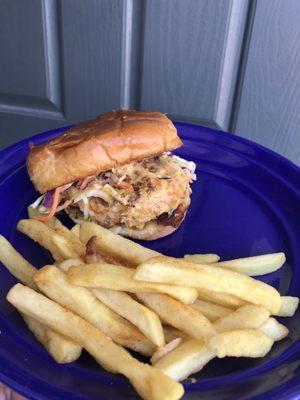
94	146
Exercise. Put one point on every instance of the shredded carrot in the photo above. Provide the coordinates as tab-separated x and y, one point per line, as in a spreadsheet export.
85	182
155	181
46	218
125	185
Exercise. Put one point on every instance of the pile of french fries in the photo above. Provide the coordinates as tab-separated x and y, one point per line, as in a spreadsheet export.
105	293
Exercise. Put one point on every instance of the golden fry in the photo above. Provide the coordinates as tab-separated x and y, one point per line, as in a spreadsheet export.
124	250
288	307
274	329
254	266
67	264
140	316
161	352
191	356
149	382
172	333
202	258
188	358
210	310
177	272
58	246
61	348
246	317
76	230
241	343
82	301
116	277
74	241
179	315
16	264
222	299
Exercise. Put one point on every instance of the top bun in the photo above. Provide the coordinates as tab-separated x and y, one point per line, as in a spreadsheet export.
112	139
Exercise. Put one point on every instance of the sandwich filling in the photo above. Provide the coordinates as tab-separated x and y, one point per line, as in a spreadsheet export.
132	195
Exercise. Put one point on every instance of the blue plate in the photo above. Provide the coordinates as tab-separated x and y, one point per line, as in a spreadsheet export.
245	202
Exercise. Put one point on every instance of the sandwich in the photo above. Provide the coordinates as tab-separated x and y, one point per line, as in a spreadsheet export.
116	170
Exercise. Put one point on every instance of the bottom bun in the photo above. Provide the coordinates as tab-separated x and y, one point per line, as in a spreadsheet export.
154	229
151	231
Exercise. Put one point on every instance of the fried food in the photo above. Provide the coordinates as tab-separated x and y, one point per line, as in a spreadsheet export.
179	315
149	382
178	272
255	266
144	319
83	302
116	277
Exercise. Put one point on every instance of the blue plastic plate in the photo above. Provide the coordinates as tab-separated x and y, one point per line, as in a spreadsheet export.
245	202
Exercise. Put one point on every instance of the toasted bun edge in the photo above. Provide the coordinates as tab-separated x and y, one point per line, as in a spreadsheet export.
112	139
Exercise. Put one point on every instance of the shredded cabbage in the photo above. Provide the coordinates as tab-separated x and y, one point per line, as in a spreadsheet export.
112	192
63	206
65	187
189	165
106	192
86	209
38	201
97	192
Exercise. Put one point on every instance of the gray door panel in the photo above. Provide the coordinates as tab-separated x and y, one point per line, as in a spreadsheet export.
60	63
268	110
230	64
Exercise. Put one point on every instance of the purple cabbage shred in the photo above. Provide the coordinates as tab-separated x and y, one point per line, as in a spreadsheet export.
47	201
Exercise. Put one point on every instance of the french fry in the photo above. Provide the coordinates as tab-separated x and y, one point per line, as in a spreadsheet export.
241	343
67	264
81	301
161	352
58	246
255	266
288	307
222	299
140	316
64	247
202	258
179	315
124	250
245	317
124	305
127	307
16	264
274	329
120	278
149	382
191	356
188	358
59	347
94	255
172	333
62	349
76	230
177	272
209	310
74	241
